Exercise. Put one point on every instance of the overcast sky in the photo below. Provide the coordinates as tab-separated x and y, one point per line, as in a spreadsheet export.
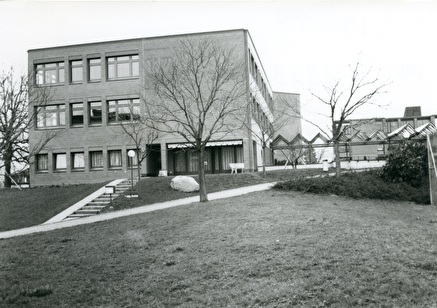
302	45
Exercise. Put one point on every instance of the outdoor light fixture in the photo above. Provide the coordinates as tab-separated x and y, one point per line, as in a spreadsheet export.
131	154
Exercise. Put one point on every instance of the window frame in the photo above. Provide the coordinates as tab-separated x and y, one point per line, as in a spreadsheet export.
119	159
56	156
41	70
43	114
132	162
93	65
73	161
118	61
92	122
73	67
91	161
72	109
38	158
132	104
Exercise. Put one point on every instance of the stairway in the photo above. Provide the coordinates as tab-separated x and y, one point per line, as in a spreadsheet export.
98	204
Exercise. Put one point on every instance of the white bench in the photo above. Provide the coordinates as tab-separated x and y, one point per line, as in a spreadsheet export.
236	166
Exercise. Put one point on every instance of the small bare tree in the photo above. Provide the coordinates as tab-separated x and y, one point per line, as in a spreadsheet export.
142	133
343	103
15	121
194	93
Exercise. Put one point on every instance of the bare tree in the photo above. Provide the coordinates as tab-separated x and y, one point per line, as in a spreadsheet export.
15	121
343	103
142	133
194	93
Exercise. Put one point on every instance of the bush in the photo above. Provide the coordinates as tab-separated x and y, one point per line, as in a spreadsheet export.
361	185
407	163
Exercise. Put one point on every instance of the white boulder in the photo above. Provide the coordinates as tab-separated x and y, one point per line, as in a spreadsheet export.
184	183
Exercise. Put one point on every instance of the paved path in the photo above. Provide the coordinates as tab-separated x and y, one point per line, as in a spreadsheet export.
133	211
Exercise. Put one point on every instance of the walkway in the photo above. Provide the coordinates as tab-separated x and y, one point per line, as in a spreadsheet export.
138	210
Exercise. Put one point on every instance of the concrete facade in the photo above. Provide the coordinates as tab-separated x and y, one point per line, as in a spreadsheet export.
85	95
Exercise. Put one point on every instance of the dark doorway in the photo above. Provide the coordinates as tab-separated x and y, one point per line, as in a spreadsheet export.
154	160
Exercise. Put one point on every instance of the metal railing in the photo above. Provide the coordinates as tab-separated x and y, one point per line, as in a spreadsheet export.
432	172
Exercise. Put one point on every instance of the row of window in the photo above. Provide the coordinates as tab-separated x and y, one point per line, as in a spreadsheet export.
78	162
120	67
254	71
116	111
260	117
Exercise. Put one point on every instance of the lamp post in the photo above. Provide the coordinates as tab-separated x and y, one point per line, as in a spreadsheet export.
131	155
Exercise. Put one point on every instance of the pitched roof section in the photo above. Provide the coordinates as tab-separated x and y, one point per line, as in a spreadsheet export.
359	136
403	132
424	130
299	139
279	141
318	139
378	135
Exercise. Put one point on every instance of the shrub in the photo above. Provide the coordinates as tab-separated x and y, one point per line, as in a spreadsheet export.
368	185
407	163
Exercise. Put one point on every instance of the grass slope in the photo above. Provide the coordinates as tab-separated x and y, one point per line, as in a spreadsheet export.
267	249
29	207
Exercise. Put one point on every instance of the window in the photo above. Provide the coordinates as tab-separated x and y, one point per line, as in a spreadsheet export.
76	71
123	67
95	69
96	160
42	162
60	162
78	161
76	110
50	116
95	113
123	110
114	158
50	73
133	161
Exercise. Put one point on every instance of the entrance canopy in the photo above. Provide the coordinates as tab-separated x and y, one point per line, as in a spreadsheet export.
208	144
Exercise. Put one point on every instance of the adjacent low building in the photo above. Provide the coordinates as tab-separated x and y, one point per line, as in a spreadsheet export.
94	88
370	139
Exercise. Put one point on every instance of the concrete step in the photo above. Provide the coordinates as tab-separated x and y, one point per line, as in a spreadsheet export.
78	215
98	203
94	207
103	199
85	211
113	196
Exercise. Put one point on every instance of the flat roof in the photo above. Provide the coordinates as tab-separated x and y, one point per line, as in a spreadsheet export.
137	38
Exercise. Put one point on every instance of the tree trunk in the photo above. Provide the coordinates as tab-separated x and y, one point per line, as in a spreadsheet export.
337	158
8	167
202	181
139	165
264	159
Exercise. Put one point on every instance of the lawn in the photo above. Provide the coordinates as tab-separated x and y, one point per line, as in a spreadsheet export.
29	207
32	206
157	189
267	249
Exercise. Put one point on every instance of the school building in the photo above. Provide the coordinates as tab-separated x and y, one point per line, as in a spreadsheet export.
95	87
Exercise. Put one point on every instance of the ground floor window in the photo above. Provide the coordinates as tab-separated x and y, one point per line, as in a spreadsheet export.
96	159
114	158
216	159
132	161
42	162
78	161
60	161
